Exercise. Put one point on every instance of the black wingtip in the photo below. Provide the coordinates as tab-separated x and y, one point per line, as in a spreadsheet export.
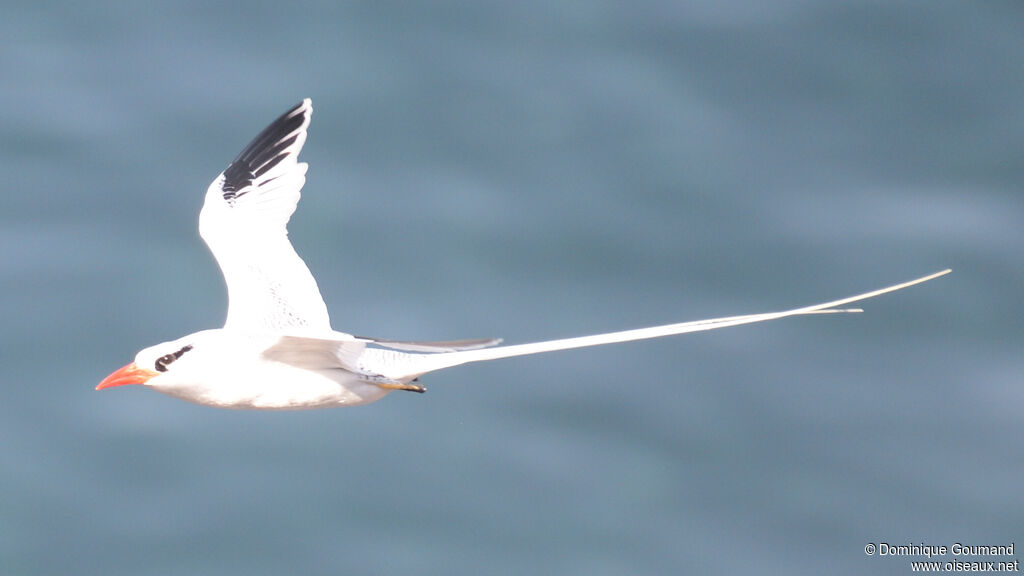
267	149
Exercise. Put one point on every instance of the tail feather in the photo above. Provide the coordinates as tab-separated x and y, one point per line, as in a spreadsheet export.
416	366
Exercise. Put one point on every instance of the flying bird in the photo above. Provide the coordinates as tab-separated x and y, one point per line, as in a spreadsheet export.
277	350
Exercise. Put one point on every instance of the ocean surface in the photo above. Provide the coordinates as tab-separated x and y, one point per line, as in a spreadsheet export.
528	170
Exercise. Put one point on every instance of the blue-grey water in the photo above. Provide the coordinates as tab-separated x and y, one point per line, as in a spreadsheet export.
529	170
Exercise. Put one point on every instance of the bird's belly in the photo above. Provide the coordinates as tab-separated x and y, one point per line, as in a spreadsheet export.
281	387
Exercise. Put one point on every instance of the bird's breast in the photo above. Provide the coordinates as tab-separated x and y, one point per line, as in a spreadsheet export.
275	386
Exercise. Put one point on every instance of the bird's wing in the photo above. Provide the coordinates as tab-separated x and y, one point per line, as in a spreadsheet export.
244	222
343	350
335	350
407	366
435	347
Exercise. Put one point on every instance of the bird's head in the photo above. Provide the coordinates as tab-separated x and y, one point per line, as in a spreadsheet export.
151	363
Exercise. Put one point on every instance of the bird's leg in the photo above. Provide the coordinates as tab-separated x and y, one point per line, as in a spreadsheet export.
400	386
390	384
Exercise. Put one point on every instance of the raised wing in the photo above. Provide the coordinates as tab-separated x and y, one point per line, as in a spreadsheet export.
244	222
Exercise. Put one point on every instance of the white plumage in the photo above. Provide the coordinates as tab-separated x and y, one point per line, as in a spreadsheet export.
277	349
244	222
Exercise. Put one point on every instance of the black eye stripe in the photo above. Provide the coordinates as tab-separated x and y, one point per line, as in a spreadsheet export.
163	361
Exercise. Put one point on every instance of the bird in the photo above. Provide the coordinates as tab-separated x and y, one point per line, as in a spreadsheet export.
277	350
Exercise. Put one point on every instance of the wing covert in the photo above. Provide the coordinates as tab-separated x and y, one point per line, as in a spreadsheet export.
244	223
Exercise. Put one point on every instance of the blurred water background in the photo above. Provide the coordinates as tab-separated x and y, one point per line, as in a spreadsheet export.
529	170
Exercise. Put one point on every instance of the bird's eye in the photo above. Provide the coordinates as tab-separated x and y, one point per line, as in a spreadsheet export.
163	361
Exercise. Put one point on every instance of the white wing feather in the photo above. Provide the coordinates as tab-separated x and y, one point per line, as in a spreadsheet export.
244	222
